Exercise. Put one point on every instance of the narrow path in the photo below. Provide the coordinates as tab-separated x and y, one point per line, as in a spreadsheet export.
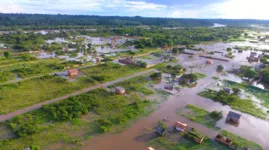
14	81
39	105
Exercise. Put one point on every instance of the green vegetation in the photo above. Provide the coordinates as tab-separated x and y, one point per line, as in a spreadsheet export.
248	72
202	116
220	68
240	142
200	75
265	75
229	50
190	78
215	78
185	144
243	105
109	71
30	69
193	134
36	90
260	94
137	84
146	57
229	55
26	93
177	50
7	54
142	64
142	52
173	70
56	123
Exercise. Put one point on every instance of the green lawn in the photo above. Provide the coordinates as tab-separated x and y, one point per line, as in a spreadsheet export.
241	142
200	115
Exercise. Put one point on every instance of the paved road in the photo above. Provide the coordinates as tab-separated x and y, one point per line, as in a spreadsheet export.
36	106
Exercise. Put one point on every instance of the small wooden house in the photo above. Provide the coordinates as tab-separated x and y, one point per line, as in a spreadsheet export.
209	61
168	87
233	118
98	59
180	126
120	90
72	72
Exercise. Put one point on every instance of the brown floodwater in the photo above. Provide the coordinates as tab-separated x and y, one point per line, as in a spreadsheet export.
136	137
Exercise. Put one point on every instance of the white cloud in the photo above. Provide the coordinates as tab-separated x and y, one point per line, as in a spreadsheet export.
77	6
242	9
10	6
256	9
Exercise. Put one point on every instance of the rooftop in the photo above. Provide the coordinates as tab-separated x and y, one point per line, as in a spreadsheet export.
233	115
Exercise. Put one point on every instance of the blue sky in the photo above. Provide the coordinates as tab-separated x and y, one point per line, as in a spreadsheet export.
235	9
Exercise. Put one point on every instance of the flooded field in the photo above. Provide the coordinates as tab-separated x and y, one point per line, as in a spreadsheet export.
137	135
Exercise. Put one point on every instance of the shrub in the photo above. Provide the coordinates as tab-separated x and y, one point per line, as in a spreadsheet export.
24	125
216	114
66	110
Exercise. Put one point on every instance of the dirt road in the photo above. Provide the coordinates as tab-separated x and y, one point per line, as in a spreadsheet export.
36	106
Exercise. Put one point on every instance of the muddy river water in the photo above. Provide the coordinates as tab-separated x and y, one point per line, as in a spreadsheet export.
135	137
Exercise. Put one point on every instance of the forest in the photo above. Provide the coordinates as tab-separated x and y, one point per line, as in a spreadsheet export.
152	37
45	21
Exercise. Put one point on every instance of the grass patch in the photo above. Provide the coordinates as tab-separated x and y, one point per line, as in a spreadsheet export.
243	105
30	69
215	78
109	71
58	122
240	142
201	116
259	93
139	52
26	93
146	57
173	70
201	75
185	144
137	84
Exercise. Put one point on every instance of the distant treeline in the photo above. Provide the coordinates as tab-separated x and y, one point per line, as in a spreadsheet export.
44	21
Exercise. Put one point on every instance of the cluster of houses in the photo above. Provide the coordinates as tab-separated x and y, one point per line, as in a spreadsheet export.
232	118
182	127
